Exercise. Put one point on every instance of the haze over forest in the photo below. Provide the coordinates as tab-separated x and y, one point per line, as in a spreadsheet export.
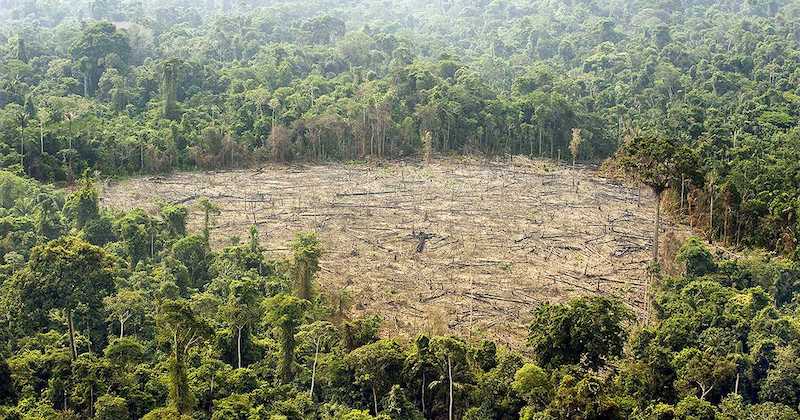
622	177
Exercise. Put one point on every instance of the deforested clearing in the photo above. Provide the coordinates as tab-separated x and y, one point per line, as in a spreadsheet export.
461	246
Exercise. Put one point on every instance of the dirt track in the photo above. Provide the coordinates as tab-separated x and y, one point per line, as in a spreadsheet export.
463	246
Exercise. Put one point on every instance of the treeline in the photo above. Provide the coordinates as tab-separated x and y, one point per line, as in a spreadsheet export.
129	315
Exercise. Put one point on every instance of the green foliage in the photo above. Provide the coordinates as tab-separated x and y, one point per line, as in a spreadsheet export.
67	275
235	407
124	352
109	407
361	331
7	392
695	409
180	326
654	158
376	366
532	383
82	206
703	374
99	47
587	397
696	258
175	219
210	210
192	251
285	313
396	406
165	413
782	383
99	231
699	100
306	251
567	334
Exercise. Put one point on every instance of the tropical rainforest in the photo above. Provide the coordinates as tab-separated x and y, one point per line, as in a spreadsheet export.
117	315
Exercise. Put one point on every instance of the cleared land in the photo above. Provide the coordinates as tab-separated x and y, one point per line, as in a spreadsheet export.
462	246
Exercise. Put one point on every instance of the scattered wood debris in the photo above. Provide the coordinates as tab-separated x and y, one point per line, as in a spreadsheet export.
487	241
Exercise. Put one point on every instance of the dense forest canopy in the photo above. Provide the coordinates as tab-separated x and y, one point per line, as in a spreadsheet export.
117	315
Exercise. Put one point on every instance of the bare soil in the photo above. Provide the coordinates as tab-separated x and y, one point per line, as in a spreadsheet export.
462	246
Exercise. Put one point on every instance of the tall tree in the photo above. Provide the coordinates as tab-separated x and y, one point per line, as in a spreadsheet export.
241	309
83	205
183	329
67	275
654	159
451	356
124	305
317	337
306	253
377	366
99	47
285	313
567	333
169	89
210	211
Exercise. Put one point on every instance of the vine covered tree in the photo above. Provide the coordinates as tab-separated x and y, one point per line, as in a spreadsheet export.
184	330
306	253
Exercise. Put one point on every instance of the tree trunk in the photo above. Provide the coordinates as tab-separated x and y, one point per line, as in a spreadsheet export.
711	218
540	140
210	403
657	227
683	191
121	328
22	147
423	392
530	140
450	379
73	348
239	346
375	400
725	226
314	368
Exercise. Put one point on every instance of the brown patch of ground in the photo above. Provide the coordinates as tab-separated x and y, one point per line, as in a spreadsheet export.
463	246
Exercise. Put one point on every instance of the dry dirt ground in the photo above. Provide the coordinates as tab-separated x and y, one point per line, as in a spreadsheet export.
464	246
